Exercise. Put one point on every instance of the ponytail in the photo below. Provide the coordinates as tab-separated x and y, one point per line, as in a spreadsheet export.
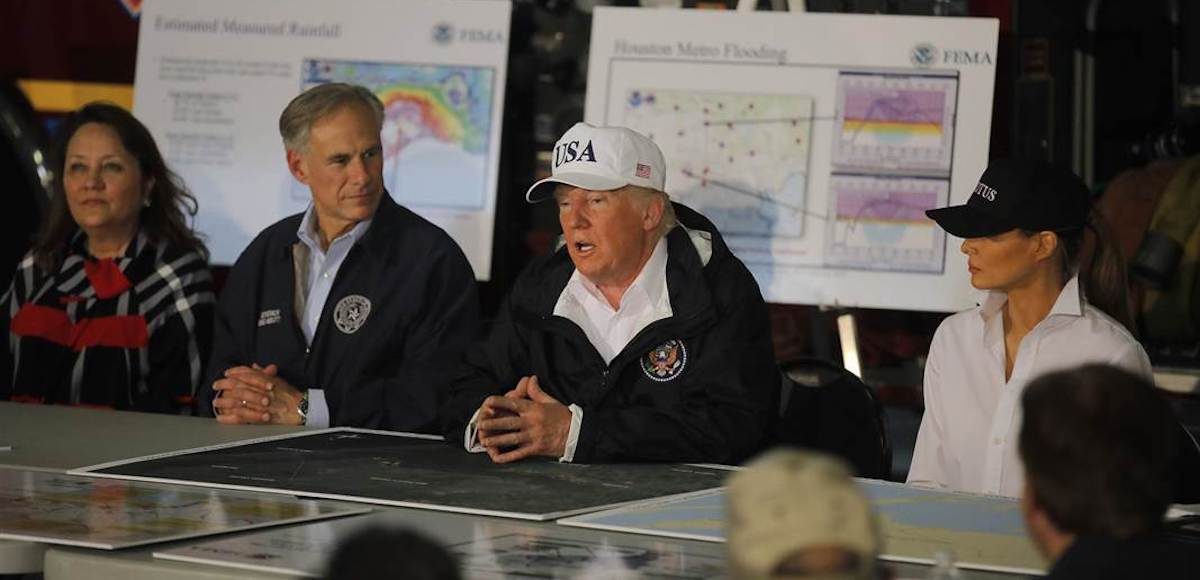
1104	279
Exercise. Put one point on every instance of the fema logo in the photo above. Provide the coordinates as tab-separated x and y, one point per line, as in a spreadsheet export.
665	361
443	33
924	55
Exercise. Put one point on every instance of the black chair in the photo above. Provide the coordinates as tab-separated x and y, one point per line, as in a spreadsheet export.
826	408
1187	468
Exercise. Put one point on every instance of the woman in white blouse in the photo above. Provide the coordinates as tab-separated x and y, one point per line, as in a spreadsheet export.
1023	228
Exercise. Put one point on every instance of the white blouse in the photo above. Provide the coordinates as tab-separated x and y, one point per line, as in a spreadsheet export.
968	435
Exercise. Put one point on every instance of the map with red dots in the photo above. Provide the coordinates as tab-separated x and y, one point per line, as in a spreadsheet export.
740	159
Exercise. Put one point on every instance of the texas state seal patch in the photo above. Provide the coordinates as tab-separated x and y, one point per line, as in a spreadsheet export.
665	361
351	313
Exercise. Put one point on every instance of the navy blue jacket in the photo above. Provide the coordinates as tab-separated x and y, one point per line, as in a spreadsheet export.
699	386
424	309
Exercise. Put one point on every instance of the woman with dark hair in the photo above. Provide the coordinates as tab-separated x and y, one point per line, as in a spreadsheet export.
1023	228
113	306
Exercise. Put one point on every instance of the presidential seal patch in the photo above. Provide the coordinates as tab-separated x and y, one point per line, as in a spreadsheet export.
351	313
665	361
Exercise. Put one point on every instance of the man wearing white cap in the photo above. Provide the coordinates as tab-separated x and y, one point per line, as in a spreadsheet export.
642	338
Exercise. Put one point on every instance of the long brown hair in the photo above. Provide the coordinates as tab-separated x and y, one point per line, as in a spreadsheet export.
164	221
1104	278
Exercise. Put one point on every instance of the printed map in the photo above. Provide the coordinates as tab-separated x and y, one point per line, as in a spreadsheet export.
739	159
983	531
80	511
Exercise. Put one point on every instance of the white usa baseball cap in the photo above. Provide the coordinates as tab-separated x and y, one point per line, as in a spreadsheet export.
602	159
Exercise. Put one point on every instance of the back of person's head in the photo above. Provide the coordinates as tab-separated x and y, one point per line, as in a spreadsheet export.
1098	444
798	514
381	552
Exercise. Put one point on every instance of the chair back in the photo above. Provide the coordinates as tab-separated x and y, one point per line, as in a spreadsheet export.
826	408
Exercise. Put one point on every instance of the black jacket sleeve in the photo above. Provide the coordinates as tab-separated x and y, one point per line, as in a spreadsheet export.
491	367
229	347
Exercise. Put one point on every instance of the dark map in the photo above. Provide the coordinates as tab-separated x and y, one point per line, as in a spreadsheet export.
400	470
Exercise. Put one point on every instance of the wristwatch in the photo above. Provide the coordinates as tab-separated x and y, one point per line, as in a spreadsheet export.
302	408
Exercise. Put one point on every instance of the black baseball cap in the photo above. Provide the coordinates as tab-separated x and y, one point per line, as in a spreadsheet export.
1022	194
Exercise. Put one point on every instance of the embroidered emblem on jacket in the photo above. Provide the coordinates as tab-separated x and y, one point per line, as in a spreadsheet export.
665	361
268	317
351	313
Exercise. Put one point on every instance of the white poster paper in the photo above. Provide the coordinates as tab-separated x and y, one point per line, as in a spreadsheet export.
212	78
814	142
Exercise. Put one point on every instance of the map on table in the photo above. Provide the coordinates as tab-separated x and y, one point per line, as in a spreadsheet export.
96	513
305	550
418	471
549	556
436	126
984	532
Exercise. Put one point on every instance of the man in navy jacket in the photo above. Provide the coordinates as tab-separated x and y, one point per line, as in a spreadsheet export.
643	338
350	313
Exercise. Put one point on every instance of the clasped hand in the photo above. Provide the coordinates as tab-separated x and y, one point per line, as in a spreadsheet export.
256	394
525	422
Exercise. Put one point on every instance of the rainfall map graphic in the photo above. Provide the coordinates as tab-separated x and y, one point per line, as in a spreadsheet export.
740	159
893	144
436	130
879	223
895	123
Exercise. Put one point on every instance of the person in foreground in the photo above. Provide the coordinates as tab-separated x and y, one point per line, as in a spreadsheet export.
379	551
1098	445
642	338
1023	227
347	313
113	306
798	514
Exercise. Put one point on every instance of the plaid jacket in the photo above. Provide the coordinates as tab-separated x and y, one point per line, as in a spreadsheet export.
130	333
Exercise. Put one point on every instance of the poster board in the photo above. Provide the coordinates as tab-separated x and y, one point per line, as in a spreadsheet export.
107	514
407	470
815	153
212	78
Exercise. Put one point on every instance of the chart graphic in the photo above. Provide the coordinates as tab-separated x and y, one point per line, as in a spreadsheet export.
895	123
437	121
879	223
740	159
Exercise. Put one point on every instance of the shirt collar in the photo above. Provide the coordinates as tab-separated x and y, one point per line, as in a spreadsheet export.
1069	302
307	232
650	283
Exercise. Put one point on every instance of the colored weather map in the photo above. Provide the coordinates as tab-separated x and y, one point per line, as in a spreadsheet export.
436	130
916	523
879	223
740	159
895	123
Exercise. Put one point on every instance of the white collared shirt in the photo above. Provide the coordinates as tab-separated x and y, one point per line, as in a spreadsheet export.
608	329
323	266
968	435
646	301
